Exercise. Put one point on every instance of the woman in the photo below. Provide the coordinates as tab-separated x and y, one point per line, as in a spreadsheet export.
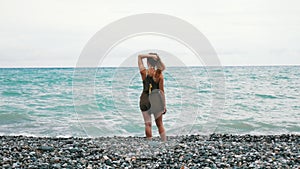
152	79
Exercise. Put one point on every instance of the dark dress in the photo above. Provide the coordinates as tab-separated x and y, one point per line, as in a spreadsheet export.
144	98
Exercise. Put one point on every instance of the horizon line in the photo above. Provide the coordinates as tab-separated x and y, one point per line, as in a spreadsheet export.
271	65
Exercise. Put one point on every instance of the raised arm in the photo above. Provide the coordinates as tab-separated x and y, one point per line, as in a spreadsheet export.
162	65
140	60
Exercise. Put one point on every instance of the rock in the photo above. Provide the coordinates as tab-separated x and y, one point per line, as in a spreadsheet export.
108	162
6	166
73	150
180	158
45	148
105	157
56	159
56	166
44	165
32	153
16	165
128	159
89	166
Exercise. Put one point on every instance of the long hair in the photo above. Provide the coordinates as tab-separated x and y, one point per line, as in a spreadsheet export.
156	64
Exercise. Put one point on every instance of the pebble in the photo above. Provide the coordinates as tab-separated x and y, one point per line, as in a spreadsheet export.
196	151
105	157
45	148
128	159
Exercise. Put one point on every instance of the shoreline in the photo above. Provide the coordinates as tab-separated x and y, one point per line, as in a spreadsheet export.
190	151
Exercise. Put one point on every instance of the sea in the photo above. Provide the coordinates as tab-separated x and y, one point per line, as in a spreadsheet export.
104	101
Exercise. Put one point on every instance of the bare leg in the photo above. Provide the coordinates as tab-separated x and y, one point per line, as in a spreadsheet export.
148	126
160	126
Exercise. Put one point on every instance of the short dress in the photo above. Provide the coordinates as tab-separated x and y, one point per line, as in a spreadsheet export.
144	98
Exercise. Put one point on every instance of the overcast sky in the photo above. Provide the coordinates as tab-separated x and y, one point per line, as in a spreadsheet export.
50	33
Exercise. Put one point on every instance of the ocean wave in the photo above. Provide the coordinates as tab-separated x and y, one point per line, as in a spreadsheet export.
266	96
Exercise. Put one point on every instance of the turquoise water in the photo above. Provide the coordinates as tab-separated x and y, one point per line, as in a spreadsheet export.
104	101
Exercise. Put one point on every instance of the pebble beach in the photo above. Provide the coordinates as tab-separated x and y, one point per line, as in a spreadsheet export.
191	151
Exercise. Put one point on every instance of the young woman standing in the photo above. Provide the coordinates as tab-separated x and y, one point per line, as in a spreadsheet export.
152	79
